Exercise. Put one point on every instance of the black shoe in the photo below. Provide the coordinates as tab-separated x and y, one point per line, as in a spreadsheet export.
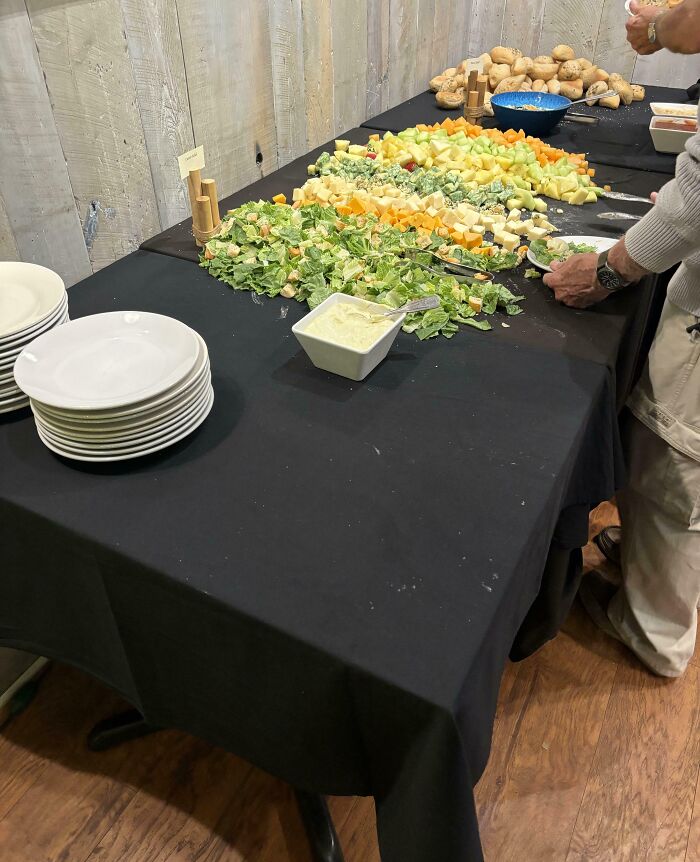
608	543
595	594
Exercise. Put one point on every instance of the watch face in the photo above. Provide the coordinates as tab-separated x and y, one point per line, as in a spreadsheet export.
608	278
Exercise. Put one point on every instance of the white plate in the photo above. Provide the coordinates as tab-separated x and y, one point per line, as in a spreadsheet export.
674	109
9	400
9	353
600	243
124	456
123	430
127	443
143	410
19	405
20	339
107	360
9	356
28	293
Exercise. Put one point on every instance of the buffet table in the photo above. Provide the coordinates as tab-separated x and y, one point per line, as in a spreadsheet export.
621	138
327	577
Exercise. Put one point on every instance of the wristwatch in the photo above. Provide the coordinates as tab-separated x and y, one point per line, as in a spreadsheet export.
607	277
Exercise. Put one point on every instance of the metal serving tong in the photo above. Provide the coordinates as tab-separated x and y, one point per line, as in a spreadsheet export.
452	268
611	216
622	196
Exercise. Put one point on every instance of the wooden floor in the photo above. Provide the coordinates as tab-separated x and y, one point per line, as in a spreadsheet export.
593	759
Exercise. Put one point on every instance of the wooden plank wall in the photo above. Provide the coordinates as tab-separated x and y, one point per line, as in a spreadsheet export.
98	97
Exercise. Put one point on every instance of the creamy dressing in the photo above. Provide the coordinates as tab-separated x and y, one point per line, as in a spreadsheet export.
350	325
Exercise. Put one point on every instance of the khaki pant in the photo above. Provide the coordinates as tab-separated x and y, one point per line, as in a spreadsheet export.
655	610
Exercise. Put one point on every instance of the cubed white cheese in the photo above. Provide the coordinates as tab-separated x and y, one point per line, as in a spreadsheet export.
536	233
509	241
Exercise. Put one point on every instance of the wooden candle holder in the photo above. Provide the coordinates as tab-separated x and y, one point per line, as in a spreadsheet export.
204	206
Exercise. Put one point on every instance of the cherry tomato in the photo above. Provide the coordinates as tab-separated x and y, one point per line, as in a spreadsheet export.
371	155
410	166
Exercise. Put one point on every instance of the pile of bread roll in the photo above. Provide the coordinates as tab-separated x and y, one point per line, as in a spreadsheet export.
559	72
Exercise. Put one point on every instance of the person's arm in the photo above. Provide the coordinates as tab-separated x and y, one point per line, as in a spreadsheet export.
667	234
677	29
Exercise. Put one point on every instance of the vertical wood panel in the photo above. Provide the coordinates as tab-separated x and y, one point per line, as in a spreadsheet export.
612	50
287	36
441	37
403	45
153	37
349	46
460	22
424	47
522	25
229	75
8	246
486	26
36	190
571	22
83	53
318	71
378	12
667	70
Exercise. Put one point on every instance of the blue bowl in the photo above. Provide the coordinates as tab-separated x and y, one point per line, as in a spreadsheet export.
535	123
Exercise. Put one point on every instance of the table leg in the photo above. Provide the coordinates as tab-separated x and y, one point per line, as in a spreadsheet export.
318	826
315	815
117	729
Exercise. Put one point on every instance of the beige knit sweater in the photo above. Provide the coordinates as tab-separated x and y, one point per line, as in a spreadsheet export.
670	232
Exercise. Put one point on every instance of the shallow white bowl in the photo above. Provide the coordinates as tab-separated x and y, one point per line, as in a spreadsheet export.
336	358
668	140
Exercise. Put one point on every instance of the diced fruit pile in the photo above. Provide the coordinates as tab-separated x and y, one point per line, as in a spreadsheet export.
309	253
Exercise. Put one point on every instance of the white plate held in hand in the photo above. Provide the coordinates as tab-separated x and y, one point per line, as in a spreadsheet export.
600	244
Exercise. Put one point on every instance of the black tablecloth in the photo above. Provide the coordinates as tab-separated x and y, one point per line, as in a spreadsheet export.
327	576
621	137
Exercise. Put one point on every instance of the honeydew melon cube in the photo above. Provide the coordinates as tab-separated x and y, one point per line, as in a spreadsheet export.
591	197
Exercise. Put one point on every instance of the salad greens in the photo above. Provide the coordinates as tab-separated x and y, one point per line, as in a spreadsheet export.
556	249
309	253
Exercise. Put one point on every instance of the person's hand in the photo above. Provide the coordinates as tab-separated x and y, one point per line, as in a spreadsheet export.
653	196
574	281
638	28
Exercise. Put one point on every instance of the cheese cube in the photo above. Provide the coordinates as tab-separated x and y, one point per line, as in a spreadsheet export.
536	233
477	228
514	214
516	227
468	217
297	195
509	241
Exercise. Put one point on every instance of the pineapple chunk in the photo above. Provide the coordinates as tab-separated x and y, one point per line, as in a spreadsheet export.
342	145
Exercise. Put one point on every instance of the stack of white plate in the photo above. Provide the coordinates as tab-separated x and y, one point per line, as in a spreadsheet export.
33	299
117	385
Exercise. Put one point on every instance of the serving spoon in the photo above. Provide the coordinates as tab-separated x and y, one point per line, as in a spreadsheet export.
422	304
